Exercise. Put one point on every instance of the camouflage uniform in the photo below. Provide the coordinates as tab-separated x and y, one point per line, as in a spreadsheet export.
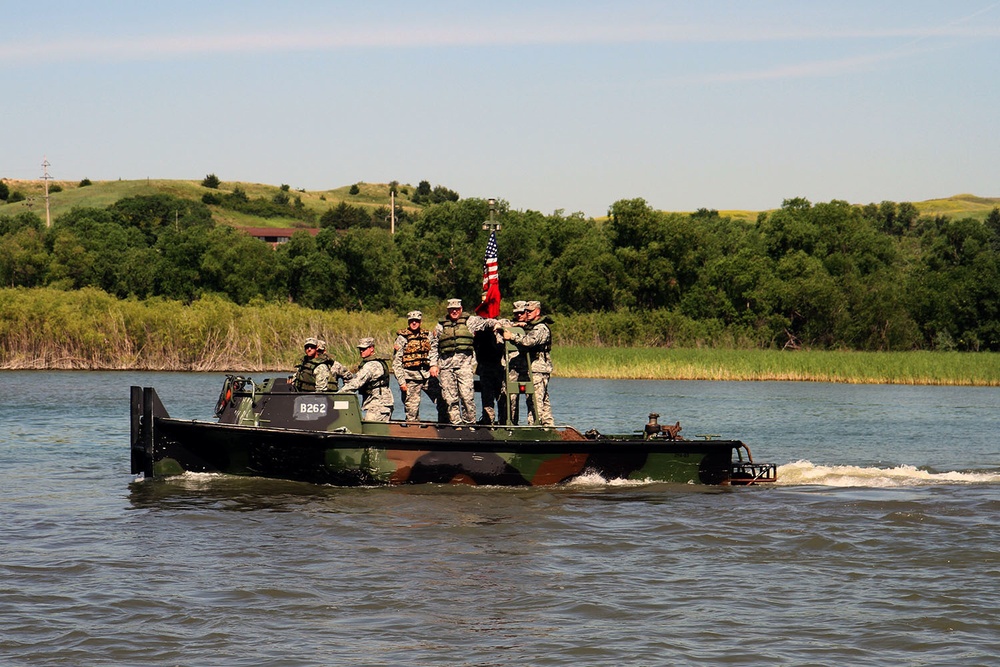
322	373
489	348
328	369
411	365
536	344
456	363
311	370
372	381
335	371
516	365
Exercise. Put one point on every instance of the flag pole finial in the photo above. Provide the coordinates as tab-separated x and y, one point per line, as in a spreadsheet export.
491	224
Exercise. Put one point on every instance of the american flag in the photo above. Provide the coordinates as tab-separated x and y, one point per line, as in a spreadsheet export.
490	307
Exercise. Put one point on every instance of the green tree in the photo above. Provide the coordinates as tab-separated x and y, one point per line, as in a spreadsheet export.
315	277
992	224
662	254
211	181
240	266
585	277
23	220
178	272
71	265
24	259
441	194
444	251
955	288
906	216
345	216
153	214
373	266
121	261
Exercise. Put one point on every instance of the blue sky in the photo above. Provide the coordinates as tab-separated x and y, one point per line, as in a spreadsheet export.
549	105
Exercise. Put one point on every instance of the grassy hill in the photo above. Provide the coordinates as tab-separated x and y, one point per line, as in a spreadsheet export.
956	207
959	206
371	195
104	193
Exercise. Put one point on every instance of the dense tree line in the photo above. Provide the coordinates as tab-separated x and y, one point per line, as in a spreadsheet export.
828	275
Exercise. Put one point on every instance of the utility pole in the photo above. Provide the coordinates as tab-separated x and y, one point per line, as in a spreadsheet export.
46	178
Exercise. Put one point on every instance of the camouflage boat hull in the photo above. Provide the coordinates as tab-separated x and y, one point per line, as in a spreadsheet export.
269	431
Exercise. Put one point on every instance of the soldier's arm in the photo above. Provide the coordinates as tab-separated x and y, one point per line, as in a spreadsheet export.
477	323
434	346
322	374
340	371
533	338
359	380
397	360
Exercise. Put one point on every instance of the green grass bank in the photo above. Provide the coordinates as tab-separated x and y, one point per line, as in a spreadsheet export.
928	368
47	328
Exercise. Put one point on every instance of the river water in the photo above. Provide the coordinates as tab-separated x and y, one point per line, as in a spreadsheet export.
877	547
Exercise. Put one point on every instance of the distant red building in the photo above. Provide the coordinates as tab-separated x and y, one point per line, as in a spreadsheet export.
277	235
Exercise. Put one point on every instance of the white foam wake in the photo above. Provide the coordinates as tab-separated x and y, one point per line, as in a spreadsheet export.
593	479
805	472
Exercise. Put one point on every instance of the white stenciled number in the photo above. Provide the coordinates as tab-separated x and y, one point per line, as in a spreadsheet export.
310	409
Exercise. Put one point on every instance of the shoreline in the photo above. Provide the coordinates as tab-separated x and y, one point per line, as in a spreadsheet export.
706	374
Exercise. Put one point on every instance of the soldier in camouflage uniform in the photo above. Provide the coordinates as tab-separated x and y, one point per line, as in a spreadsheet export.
372	381
412	367
311	373
452	360
536	344
517	366
489	348
336	371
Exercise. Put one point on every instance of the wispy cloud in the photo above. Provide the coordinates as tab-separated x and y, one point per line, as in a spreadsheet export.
156	47
811	68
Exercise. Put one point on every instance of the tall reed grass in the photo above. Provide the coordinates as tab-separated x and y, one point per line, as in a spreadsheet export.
88	329
46	328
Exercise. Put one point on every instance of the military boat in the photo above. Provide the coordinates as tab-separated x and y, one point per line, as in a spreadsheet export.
271	430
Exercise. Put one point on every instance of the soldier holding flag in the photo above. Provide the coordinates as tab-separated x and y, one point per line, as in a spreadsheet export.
489	343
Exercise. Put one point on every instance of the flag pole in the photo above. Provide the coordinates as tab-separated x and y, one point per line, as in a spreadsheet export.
489	307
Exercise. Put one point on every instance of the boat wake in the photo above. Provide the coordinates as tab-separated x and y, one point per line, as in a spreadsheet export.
595	480
798	473
806	472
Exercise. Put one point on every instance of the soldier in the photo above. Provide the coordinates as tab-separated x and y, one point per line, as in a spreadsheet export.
452	360
411	365
517	366
536	344
489	344
337	370
311	371
372	381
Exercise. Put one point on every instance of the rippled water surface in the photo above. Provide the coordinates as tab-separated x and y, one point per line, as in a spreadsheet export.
878	547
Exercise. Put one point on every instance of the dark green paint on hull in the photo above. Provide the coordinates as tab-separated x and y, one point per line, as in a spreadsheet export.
267	430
